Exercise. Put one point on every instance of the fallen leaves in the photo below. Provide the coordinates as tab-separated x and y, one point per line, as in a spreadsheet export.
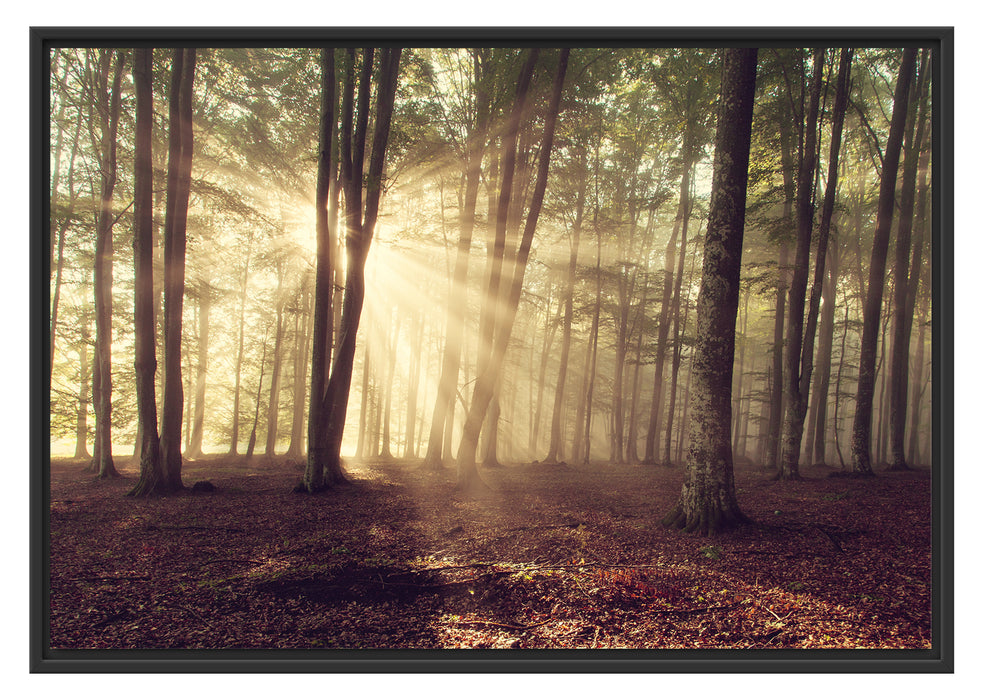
571	558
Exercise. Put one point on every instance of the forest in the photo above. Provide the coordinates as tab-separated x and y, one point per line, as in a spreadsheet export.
490	347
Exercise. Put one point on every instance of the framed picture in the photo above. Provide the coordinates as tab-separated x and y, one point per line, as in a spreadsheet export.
471	349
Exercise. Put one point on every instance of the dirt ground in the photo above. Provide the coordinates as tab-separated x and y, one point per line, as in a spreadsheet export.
555	556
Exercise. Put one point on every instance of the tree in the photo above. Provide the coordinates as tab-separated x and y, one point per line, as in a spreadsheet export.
102	380
467	473
708	502
860	441
905	287
327	421
144	320
180	149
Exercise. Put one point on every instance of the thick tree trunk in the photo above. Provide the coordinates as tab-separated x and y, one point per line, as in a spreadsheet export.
708	503
181	146
860	441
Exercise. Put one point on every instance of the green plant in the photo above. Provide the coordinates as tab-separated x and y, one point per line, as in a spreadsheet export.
710	551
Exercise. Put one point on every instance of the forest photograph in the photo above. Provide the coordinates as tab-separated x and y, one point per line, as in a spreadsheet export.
506	345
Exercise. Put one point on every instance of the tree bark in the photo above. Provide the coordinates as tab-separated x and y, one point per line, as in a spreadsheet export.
109	109
905	288
181	146
860	441
324	453
144	320
708	503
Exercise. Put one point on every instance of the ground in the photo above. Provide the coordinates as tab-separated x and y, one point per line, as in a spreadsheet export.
552	557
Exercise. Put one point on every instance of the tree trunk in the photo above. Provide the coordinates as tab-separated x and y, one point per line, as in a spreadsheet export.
324	452
390	380
816	437
103	279
708	503
658	398
181	146
556	436
234	442
301	345
198	426
799	368
484	385
904	288
273	412
324	269
250	448
413	384
144	321
82	415
457	296
860	441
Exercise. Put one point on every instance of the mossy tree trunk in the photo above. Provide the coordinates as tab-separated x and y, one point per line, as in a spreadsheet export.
708	503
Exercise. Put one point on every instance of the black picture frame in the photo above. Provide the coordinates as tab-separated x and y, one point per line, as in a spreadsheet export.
938	659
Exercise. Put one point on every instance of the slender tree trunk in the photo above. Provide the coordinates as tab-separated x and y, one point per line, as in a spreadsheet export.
914	442
326	454
301	347
240	353
412	390
273	412
708	503
556	435
250	448
484	385
175	241
677	292
197	430
103	279
860	441
658	398
797	381
82	415
457	296
778	350
144	320
904	288
324	269
387	412
816	438
363	428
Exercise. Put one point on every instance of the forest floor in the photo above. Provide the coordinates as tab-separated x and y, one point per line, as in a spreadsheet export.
552	557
